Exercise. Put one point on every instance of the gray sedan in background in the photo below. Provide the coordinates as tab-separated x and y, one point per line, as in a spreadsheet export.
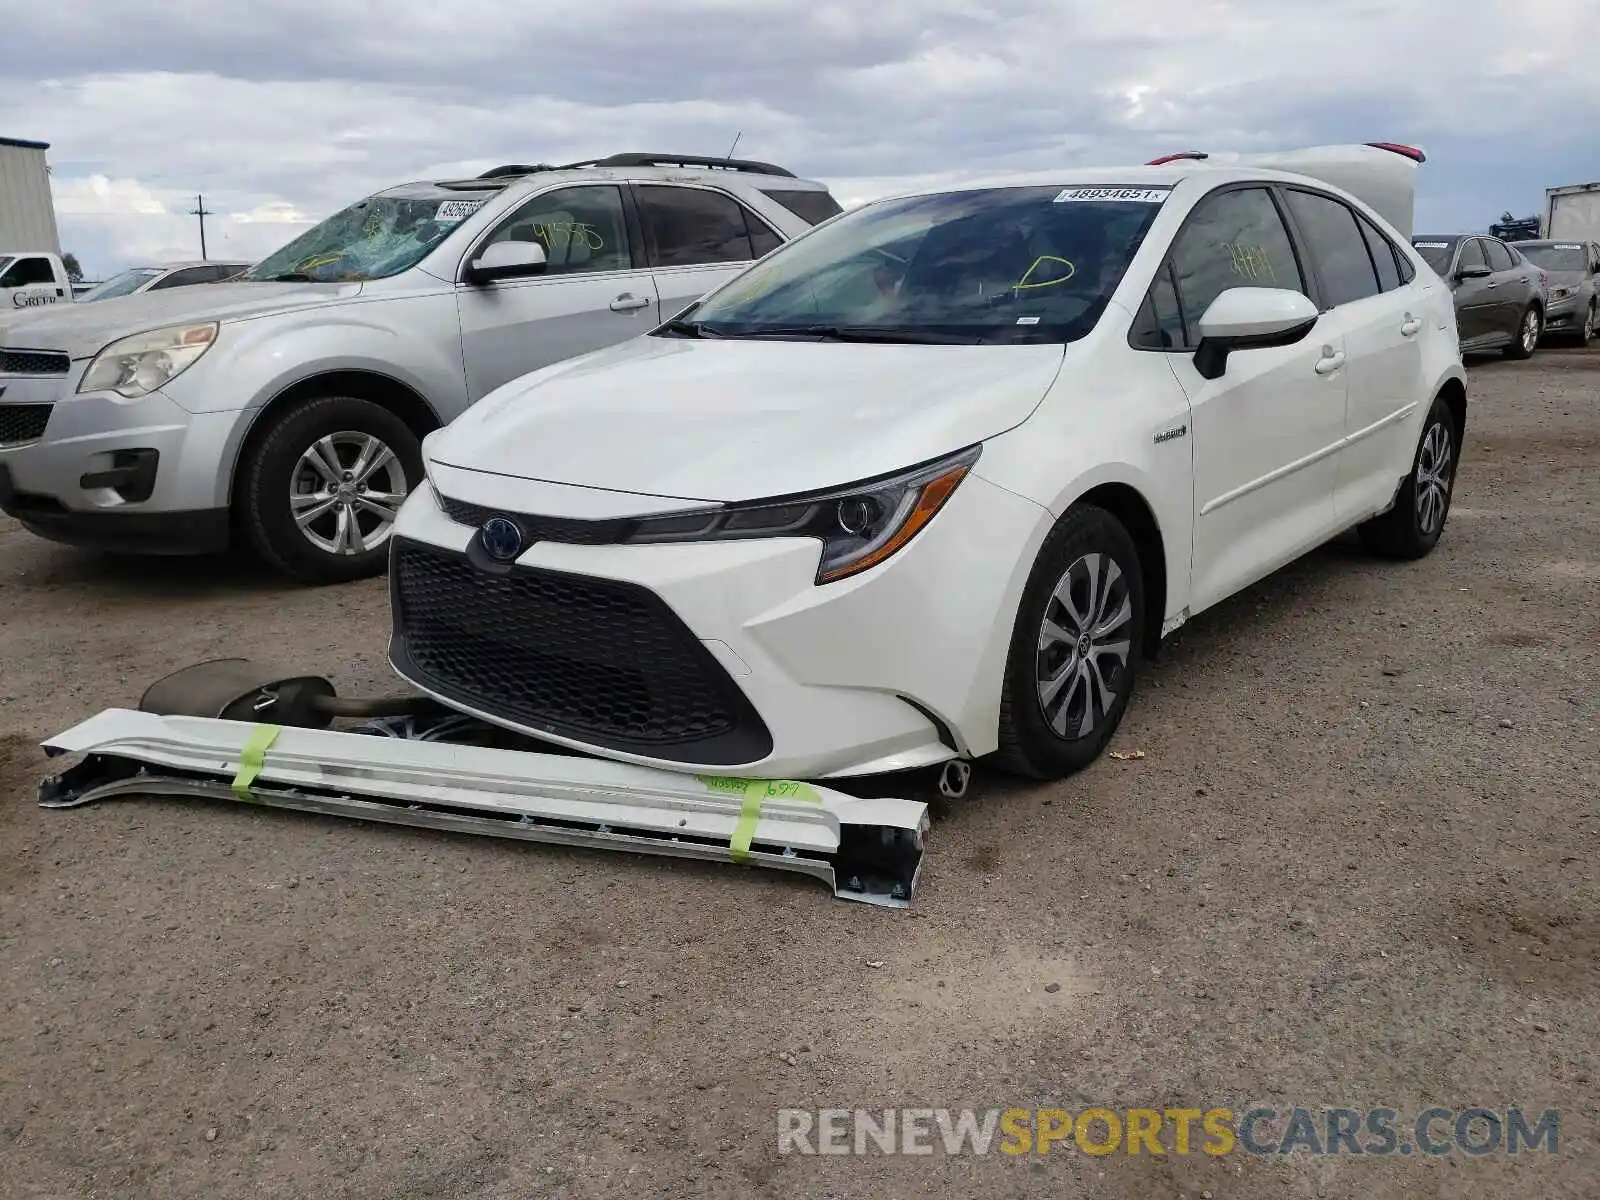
1499	295
1572	269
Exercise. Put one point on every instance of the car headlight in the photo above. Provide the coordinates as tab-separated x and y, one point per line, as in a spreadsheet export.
1561	293
136	366
859	526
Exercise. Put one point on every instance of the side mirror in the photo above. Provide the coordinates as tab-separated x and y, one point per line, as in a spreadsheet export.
1250	318
506	260
1472	272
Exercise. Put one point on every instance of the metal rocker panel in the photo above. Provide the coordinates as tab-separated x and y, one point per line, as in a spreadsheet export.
867	849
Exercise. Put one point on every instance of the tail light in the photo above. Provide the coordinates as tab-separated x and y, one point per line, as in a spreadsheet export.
1410	152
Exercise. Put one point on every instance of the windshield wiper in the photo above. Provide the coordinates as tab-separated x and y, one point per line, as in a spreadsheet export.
857	333
691	329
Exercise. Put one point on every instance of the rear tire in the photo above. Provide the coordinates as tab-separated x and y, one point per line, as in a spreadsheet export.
1078	641
319	491
1412	528
1526	340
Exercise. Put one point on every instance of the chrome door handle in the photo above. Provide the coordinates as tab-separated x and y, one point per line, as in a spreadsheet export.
1330	363
628	302
1410	326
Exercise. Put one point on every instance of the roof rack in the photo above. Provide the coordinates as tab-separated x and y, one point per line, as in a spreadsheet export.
635	159
511	169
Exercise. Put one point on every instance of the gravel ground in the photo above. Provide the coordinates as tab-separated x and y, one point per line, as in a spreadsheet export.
1355	868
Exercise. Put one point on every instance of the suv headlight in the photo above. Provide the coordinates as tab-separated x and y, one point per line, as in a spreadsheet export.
859	526
136	366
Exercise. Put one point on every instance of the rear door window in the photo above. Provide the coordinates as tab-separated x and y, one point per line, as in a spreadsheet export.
687	227
1499	256
1384	255
1344	267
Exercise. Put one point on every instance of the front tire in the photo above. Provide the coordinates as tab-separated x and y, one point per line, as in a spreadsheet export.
320	490
1076	648
1412	528
1528	334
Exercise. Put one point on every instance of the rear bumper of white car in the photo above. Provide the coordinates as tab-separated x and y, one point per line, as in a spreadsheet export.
723	657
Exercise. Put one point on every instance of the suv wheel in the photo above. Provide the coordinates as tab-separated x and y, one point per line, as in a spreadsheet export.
320	491
1527	336
1075	649
1412	527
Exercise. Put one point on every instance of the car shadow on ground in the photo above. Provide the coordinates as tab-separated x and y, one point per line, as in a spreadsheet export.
115	576
1213	636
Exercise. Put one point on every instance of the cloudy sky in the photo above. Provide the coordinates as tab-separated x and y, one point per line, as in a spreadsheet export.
282	111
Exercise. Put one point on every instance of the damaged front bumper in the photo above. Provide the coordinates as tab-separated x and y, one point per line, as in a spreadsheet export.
867	849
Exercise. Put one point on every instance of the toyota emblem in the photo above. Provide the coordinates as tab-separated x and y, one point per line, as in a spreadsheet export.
502	539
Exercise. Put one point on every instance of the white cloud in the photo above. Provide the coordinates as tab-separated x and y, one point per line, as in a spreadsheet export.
323	101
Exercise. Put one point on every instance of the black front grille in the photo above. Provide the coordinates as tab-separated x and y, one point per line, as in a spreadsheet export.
541	529
34	362
595	660
23	422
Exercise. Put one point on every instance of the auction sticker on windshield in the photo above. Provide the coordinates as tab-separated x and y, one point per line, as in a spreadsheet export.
452	211
1431	245
1091	195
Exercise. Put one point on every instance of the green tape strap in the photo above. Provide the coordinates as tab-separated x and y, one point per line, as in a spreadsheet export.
753	793
745	830
253	757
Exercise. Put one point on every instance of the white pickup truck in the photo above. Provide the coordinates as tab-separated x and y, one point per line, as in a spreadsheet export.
31	279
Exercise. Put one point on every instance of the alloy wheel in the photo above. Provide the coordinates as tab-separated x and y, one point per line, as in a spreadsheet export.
1530	331
346	492
1434	464
1084	643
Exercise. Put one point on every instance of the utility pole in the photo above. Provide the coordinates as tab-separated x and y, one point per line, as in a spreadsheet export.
200	210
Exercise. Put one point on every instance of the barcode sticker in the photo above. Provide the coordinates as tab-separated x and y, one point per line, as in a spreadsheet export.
1093	195
452	211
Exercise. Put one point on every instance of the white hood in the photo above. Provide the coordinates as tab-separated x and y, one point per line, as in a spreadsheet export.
83	330
732	420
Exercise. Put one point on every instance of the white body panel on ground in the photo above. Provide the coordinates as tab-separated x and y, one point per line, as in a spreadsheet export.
564	799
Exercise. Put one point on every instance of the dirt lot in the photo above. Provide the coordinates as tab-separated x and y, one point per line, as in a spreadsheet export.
1356	868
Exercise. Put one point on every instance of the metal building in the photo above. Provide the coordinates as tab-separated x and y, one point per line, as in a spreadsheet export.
27	210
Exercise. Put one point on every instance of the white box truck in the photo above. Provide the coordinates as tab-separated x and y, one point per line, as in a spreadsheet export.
31	271
1572	213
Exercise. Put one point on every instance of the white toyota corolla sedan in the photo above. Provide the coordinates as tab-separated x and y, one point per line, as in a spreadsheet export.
928	483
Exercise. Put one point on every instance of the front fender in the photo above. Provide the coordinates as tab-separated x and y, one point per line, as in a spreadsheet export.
416	344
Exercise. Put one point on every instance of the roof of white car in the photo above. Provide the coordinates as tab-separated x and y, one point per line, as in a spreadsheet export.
1381	177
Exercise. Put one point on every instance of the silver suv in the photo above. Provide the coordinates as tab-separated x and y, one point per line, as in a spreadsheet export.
286	408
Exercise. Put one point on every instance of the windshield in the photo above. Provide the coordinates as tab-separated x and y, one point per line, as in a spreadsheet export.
998	265
120	285
375	238
1436	253
1556	256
